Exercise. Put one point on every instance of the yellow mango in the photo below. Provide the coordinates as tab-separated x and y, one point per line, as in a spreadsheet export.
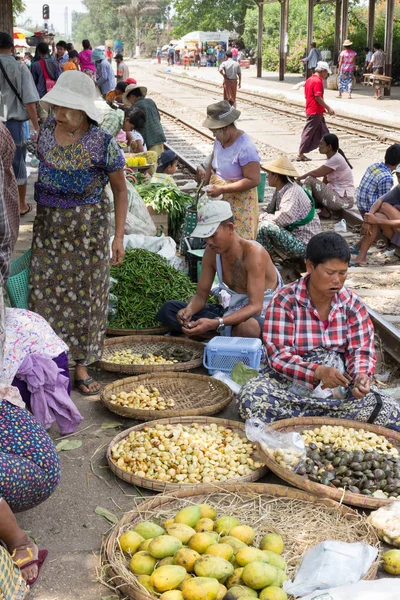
258	575
142	563
167	578
165	545
224	525
201	541
248	555
148	529
235	579
186	557
207	511
273	593
234	542
130	541
244	533
167	523
204	524
187	578
168	560
223	550
391	562
273	542
201	588
172	595
221	593
214	567
280	577
190	515
239	591
144	546
144	580
275	560
181	531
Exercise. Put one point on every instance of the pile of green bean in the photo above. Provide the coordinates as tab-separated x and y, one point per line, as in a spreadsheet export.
145	281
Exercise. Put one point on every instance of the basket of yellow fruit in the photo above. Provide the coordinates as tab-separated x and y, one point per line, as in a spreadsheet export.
224	542
137	162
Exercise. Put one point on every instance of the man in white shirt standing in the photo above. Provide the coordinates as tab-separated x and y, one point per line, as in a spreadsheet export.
232	74
377	65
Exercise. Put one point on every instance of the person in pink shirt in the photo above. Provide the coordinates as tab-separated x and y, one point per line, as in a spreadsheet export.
347	65
235	52
85	60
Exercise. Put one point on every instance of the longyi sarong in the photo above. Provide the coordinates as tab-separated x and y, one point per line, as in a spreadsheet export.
230	90
315	128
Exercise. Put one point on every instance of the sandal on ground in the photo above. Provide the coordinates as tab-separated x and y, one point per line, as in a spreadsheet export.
303	159
86	383
354	264
22	214
24	563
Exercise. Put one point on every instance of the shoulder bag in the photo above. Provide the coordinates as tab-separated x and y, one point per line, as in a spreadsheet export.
50	83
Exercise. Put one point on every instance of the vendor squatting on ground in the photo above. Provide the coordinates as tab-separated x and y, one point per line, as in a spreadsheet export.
318	337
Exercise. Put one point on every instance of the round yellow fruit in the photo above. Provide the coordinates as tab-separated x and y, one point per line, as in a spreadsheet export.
204	524
391	562
130	541
280	578
258	575
224	525
201	588
235	579
144	546
239	591
275	559
142	563
186	557
273	593
148	529
181	531
232	541
165	545
190	515
201	541
144	580
223	550
248	555
244	533
221	593
167	578
214	567
207	511
273	542
172	595
168	560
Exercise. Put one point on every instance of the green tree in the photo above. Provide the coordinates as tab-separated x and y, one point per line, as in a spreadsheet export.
137	9
210	15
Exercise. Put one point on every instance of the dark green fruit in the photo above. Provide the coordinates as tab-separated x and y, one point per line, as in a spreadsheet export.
354	490
379	474
366	492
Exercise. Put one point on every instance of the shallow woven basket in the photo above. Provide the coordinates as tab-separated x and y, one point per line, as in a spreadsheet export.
299	481
159	486
254	504
151	344
147	331
193	395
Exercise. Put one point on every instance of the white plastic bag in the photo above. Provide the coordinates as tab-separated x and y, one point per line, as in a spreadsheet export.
224	377
331	564
288	449
138	219
340	226
380	589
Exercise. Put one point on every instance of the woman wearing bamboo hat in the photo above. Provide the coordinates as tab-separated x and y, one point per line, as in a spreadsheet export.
234	168
69	276
293	220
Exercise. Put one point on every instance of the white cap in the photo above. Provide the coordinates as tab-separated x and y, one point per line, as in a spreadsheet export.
323	66
210	217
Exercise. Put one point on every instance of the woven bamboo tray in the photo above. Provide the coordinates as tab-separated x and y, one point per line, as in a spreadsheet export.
193	395
254	504
299	481
151	344
147	331
159	486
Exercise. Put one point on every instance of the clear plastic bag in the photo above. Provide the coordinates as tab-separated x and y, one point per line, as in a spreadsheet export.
333	360
331	564
386	521
112	307
288	449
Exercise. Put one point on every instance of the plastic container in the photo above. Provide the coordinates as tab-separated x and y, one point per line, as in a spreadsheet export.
261	186
222	353
18	281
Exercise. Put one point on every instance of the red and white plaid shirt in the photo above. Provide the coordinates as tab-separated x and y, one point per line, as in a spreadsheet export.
293	327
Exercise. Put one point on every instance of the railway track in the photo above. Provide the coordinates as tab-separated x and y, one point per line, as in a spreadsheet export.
193	145
292	112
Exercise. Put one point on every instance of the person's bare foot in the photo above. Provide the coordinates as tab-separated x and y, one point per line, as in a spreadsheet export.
90	387
24	554
360	261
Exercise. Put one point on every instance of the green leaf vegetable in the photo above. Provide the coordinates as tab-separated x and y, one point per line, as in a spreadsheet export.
241	373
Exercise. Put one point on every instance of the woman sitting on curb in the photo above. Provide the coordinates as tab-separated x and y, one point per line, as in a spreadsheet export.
336	191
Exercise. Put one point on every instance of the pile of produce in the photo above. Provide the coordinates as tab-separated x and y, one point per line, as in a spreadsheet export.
169	199
386	522
186	453
142	398
195	556
128	357
145	281
136	161
357	460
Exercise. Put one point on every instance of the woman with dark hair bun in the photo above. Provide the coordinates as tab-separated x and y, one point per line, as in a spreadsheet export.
336	190
85	60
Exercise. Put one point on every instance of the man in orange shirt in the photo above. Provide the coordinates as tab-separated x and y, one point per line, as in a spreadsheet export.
315	127
72	63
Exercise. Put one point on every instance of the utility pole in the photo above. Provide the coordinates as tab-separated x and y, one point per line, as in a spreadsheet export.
6	17
260	6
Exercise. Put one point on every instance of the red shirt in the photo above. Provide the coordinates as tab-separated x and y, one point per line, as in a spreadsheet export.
314	87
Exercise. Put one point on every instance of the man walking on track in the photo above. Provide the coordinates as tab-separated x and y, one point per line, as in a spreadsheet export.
230	71
315	127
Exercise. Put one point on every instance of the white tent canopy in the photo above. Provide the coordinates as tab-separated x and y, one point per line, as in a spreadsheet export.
201	37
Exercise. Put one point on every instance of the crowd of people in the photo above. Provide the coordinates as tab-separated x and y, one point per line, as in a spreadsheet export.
318	337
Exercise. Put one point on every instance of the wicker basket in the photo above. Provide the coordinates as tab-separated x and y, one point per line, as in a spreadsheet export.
151	344
147	331
299	424
230	495
159	486
193	395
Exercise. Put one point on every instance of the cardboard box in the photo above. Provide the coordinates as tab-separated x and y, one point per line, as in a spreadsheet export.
160	220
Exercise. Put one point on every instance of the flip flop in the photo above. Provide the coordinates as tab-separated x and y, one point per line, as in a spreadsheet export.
303	159
353	264
86	382
22	214
42	555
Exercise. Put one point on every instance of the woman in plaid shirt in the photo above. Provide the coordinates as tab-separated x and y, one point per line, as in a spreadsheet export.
320	346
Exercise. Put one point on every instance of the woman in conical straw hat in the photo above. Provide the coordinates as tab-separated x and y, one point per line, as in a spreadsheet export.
293	220
234	169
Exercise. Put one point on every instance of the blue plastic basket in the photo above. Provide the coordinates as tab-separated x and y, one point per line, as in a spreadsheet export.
222	353
18	281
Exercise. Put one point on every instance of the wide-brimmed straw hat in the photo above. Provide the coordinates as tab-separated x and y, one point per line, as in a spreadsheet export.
347	43
130	88
74	90
220	115
283	166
